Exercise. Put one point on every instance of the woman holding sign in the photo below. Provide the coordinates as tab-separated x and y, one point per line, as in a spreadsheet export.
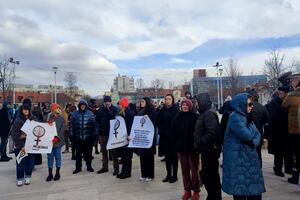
25	166
124	152
147	155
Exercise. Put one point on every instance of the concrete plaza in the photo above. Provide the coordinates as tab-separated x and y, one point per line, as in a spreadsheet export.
91	186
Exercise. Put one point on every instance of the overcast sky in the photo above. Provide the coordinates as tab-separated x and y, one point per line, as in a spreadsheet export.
98	39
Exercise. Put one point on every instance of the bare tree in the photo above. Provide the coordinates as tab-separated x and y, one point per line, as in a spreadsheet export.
6	77
295	66
234	73
157	83
71	81
274	67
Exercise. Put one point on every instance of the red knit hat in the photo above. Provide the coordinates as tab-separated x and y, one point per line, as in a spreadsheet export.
124	102
54	107
188	103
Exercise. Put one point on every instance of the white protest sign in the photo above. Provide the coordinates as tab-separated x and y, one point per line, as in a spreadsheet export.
39	137
142	133
20	156
117	133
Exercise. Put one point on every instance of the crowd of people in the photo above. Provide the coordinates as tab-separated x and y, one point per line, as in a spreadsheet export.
188	132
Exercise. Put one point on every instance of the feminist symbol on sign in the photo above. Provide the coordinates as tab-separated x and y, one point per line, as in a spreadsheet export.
38	132
116	126
143	121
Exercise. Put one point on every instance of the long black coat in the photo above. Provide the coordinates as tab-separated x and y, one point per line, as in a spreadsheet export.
183	127
261	118
164	121
277	131
4	122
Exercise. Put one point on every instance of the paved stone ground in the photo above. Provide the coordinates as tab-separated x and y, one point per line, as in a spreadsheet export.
91	186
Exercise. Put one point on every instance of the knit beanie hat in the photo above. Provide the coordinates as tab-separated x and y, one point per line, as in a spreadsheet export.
55	108
124	102
188	103
107	99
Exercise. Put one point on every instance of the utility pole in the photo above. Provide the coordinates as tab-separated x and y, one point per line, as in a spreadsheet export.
55	94
217	65
11	60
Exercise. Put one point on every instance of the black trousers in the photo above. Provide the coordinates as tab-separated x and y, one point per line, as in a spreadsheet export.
84	147
280	158
147	166
247	197
3	145
171	164
211	176
126	156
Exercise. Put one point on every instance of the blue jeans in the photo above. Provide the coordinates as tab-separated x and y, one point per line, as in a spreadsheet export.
24	169
56	153
247	197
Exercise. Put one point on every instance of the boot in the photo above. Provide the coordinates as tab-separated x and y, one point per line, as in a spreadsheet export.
50	176
57	174
195	196
167	179
173	179
186	195
295	178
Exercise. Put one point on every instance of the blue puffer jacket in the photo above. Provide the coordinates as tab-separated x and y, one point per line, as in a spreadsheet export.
242	174
82	124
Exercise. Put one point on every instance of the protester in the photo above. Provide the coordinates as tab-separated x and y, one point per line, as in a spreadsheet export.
188	95
104	115
183	127
66	116
242	173
83	134
277	133
147	155
124	152
207	140
291	104
5	119
167	145
260	118
94	108
58	142
73	144
24	168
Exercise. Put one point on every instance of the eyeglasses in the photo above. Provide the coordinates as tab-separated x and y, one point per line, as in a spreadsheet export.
250	104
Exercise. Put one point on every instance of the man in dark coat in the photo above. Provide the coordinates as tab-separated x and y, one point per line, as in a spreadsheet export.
207	140
277	133
260	116
82	131
104	115
5	120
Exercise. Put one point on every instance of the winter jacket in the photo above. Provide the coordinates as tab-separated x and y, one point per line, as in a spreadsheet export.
292	104
16	129
164	120
103	116
207	133
4	121
261	118
66	116
277	130
242	174
82	124
183	127
152	150
60	128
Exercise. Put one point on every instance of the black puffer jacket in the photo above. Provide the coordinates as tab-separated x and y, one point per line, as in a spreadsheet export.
207	134
103	116
82	124
164	122
183	127
16	128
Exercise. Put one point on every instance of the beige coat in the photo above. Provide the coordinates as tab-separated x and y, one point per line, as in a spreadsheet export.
292	105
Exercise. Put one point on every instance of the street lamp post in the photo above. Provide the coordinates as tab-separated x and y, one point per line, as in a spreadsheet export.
221	71
217	65
11	60
55	95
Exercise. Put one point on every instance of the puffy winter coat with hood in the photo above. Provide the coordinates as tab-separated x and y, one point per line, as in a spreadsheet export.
82	124
242	174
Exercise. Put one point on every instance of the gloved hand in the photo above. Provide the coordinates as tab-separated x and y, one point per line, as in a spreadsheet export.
56	139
